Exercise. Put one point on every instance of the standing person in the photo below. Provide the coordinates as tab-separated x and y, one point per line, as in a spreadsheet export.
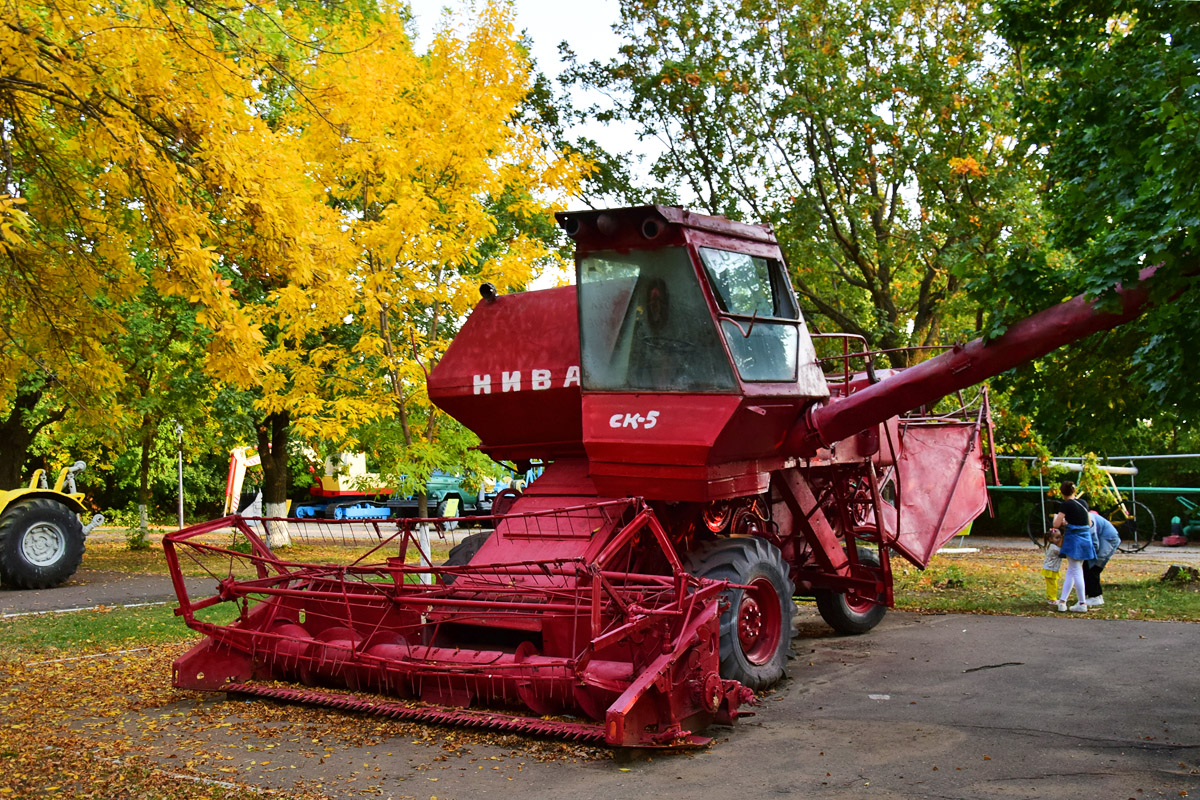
1107	541
1051	566
1073	520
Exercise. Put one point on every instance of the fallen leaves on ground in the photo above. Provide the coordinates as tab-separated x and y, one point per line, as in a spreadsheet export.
113	727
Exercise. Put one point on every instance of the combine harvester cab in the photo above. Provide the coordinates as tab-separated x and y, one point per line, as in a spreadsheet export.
704	467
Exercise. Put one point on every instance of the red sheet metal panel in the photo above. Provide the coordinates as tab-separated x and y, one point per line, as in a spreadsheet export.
512	375
661	446
943	487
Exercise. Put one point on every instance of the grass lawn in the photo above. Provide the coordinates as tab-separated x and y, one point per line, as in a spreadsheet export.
50	636
113	554
1000	581
1010	582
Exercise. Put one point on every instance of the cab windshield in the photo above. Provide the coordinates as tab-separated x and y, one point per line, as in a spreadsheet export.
760	319
644	325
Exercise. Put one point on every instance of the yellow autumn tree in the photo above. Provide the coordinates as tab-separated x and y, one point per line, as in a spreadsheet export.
140	151
319	194
444	186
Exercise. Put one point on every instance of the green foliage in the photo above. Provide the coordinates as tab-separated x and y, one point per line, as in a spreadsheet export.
1119	102
408	467
1095	484
1090	397
1113	96
240	544
303	472
128	521
120	518
137	538
951	576
1180	574
876	137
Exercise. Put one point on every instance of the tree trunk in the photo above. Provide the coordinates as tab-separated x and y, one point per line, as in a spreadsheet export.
14	450
17	435
147	437
272	452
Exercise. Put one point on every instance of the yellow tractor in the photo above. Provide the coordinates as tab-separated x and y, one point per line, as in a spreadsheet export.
41	535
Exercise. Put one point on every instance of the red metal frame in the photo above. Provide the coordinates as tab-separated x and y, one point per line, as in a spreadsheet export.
641	661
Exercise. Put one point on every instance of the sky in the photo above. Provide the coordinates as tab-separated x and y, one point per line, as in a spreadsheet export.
585	24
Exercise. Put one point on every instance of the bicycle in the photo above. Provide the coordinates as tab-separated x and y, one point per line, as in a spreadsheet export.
1133	520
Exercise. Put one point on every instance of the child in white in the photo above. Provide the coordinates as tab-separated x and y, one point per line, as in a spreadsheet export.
1051	565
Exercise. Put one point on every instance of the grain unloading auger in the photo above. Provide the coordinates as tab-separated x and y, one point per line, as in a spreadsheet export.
704	468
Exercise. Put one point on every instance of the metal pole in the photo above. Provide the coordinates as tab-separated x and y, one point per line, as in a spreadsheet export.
1132	491
1042	498
1147	458
423	546
1110	458
179	435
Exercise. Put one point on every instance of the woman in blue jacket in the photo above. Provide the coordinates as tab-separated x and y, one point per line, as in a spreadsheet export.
1106	540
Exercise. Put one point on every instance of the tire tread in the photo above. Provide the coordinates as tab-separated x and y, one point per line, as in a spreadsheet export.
15	520
733	559
838	615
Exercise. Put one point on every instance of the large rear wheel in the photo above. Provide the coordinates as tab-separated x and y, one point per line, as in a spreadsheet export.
847	612
41	544
461	554
756	628
444	510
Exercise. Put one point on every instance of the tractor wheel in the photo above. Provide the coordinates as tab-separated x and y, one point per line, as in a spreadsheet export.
850	613
441	512
41	544
462	553
756	628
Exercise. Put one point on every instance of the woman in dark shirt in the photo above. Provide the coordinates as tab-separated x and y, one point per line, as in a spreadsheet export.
1072	518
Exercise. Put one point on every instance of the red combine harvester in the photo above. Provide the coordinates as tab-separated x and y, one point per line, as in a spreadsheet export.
705	466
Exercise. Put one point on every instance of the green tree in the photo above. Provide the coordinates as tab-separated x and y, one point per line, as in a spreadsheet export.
315	191
876	137
442	182
1111	94
149	127
161	353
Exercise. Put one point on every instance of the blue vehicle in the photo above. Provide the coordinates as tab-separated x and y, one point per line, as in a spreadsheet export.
446	495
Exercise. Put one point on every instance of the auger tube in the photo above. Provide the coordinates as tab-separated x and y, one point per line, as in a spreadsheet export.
963	366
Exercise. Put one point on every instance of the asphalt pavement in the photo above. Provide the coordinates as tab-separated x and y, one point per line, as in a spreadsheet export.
924	706
89	588
944	706
949	706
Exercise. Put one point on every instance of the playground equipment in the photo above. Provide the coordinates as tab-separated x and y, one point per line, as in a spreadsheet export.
1183	528
1132	518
